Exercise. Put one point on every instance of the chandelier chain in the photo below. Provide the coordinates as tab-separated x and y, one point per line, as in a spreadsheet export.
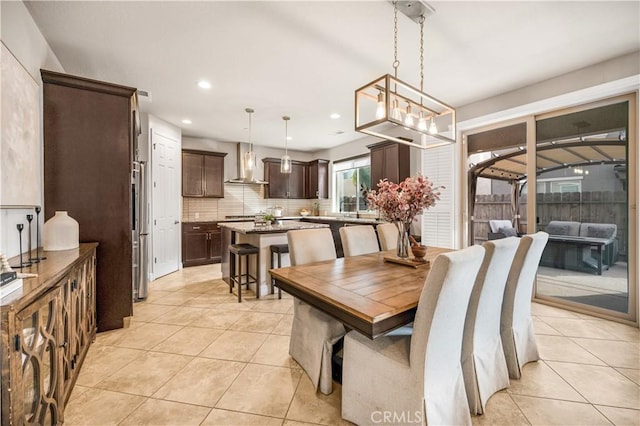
421	53
396	62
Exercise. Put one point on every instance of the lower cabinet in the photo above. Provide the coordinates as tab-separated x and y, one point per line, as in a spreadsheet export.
46	334
201	242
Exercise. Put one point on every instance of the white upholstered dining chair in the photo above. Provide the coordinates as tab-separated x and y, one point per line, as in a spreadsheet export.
313	333
516	325
483	363
388	236
415	371
358	239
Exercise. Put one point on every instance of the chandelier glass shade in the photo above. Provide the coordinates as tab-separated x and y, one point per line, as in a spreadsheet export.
285	161
249	156
392	109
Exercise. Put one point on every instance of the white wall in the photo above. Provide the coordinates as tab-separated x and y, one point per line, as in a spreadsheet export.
25	42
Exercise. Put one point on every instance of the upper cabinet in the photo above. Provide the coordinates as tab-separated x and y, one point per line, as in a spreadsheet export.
390	160
318	179
306	180
202	174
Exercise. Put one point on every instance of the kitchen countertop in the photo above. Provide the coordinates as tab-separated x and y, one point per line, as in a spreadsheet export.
250	228
366	221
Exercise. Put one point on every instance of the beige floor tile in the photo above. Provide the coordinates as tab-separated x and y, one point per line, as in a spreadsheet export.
145	337
188	341
199	287
314	407
541	411
225	417
541	381
145	374
620	416
257	322
201	382
275	351
180	315
295	423
233	305
176	298
156	412
210	300
144	311
630	373
541	310
262	389
277	306
102	361
284	326
154	295
600	385
573	327
613	353
212	318
501	410
235	346
541	327
96	407
77	391
561	348
616	330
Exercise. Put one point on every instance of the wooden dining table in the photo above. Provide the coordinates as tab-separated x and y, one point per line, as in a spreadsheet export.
365	293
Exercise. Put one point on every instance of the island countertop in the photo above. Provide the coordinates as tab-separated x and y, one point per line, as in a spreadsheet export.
250	228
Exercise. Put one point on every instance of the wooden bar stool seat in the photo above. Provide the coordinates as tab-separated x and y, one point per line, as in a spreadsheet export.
278	249
243	251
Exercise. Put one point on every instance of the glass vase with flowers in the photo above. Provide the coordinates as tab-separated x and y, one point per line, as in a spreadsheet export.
401	202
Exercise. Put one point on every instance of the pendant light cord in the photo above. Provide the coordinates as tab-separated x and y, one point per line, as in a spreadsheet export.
286	134
396	62
421	53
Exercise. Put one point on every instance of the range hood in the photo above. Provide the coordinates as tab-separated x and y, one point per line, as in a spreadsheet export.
244	177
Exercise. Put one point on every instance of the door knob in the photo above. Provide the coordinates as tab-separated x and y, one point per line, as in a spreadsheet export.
175	222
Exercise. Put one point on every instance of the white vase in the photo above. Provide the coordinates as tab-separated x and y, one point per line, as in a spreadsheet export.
61	232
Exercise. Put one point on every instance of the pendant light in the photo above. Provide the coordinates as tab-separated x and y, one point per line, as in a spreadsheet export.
249	156
391	109
285	162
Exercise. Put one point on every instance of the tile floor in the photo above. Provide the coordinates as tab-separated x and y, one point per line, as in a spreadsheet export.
194	356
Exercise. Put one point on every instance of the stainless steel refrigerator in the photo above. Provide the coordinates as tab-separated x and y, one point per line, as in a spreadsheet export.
140	231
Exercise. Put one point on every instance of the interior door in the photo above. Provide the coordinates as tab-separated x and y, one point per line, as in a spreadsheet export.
166	203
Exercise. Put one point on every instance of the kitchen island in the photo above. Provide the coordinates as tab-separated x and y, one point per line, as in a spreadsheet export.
261	237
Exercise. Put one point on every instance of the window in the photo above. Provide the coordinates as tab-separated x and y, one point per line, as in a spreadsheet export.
352	182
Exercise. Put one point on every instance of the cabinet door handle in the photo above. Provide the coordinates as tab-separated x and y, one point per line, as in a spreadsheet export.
195	228
64	345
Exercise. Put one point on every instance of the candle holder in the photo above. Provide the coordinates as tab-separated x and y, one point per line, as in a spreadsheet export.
30	259
20	227
38	258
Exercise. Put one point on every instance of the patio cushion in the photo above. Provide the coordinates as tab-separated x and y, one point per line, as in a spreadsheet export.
573	228
508	232
558	229
598	230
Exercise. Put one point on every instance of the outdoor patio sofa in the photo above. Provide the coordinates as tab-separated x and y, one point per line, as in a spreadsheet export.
587	247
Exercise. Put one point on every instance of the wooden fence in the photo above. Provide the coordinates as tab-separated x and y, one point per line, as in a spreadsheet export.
588	207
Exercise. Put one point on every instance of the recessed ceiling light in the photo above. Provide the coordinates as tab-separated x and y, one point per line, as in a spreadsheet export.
289	138
204	84
335	115
186	121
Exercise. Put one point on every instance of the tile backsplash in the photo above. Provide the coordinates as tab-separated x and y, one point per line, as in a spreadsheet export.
243	200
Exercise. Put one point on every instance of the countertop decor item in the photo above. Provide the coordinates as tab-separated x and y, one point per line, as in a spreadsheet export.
391	109
38	258
401	203
61	232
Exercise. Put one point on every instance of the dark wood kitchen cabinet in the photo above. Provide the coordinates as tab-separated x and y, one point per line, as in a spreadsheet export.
90	128
202	174
390	160
201	243
318	179
306	180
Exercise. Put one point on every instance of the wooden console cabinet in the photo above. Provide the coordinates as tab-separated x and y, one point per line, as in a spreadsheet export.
47	328
201	243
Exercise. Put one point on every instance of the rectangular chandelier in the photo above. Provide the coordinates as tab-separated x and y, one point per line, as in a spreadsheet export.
391	109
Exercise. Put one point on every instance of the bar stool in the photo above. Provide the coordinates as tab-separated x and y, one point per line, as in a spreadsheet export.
278	249
243	251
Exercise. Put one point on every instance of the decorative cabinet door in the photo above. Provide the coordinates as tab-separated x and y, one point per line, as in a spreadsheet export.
39	391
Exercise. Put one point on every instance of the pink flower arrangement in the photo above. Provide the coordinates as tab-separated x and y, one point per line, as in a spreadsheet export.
402	202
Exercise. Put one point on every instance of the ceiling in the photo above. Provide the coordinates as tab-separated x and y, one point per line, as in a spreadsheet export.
305	58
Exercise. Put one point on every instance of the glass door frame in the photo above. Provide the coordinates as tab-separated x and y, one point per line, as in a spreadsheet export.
633	161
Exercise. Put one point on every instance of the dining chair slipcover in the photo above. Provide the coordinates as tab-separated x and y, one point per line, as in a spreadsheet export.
516	325
313	333
416	376
483	363
359	239
388	236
